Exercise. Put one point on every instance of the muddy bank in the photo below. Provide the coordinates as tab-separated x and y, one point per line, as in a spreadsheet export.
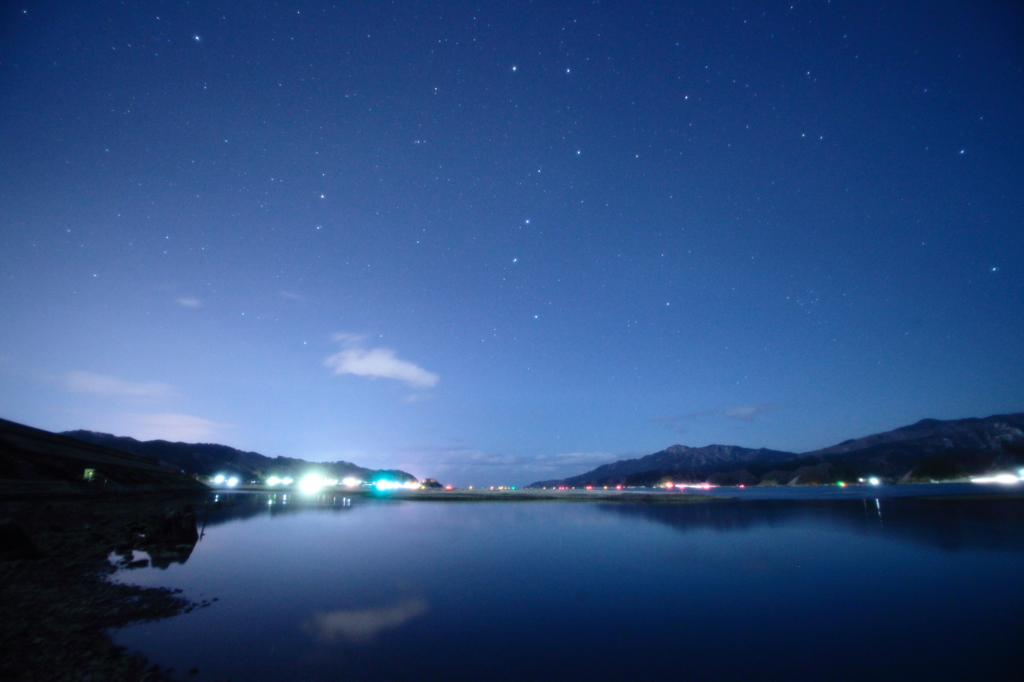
56	601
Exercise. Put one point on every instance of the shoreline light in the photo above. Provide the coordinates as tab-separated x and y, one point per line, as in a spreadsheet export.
312	484
384	484
1004	479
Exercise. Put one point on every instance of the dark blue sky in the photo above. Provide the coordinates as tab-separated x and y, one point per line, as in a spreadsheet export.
499	242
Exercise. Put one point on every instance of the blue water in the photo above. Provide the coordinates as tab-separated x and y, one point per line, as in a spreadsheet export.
886	589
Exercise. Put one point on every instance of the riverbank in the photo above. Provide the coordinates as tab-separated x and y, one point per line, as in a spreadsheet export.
57	602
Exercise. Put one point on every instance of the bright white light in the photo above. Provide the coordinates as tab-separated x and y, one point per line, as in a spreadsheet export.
312	483
273	480
218	479
350	482
699	486
1005	479
332	481
231	482
287	481
874	481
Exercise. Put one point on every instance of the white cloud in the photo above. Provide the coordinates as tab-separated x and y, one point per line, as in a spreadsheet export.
168	426
363	625
112	387
377	363
190	302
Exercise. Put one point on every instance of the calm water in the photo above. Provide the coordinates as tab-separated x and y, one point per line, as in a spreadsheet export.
881	589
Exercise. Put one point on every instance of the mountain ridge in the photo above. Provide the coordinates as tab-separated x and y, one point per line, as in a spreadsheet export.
925	450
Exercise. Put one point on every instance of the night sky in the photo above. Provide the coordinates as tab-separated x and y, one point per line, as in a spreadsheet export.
499	242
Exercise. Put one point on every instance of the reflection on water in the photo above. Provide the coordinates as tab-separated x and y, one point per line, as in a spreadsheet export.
950	524
363	625
329	589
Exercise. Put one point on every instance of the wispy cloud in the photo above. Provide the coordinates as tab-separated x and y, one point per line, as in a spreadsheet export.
190	302
169	426
377	363
746	413
363	625
112	387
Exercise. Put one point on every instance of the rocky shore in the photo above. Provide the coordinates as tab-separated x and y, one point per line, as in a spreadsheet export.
57	602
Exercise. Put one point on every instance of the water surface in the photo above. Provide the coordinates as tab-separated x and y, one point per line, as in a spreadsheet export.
727	590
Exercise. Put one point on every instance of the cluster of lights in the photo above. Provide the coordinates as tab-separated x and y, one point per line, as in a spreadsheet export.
313	482
385	484
683	486
221	479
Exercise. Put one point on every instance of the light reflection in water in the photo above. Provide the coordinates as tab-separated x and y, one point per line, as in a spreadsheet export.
362	626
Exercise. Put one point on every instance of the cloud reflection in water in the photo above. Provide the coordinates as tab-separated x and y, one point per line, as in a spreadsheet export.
363	625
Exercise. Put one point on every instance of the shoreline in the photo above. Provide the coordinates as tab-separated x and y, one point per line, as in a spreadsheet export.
59	603
628	496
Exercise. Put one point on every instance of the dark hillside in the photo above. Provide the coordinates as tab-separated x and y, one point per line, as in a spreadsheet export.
33	460
208	459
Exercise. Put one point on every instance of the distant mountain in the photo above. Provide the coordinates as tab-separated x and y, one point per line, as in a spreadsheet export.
931	449
698	462
208	459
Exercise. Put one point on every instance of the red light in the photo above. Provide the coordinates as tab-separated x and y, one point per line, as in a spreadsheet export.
447	487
